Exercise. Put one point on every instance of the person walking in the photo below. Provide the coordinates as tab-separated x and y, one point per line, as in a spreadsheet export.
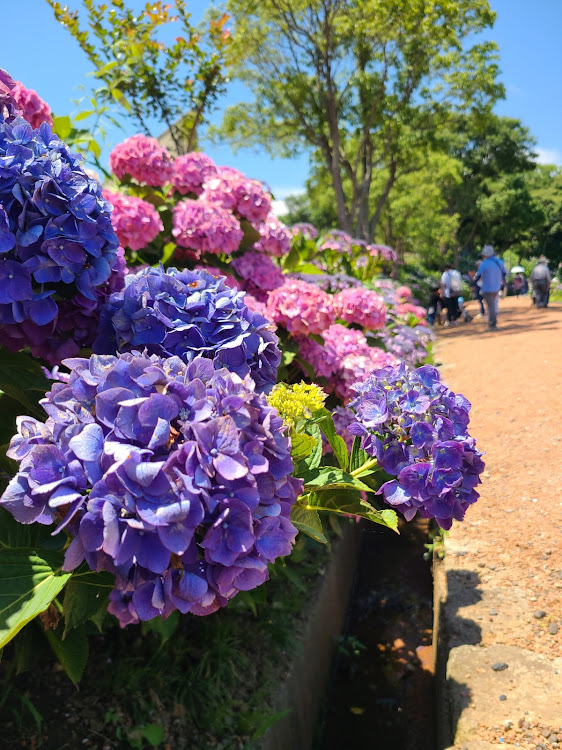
450	289
493	274
540	279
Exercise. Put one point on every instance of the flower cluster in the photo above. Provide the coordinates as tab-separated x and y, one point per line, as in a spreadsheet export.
186	314
33	108
191	171
309	231
404	292
234	192
416	428
361	306
259	274
384	252
406	309
301	308
296	402
135	221
56	238
143	159
408	343
355	368
337	240
8	106
174	477
275	237
339	342
201	226
332	283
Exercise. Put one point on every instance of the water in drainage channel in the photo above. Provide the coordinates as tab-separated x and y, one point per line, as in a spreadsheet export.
381	694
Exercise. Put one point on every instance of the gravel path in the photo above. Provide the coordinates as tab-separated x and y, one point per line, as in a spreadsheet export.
504	564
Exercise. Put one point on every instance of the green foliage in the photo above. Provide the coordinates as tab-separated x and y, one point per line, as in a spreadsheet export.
71	650
177	84
86	594
362	84
29	581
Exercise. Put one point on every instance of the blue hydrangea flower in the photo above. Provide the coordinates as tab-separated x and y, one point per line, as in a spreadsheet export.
189	314
175	477
416	428
56	238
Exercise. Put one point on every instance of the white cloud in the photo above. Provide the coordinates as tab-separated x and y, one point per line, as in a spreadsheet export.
278	208
548	156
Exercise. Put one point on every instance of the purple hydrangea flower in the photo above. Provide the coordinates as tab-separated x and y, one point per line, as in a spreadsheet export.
416	428
186	314
56	238
174	477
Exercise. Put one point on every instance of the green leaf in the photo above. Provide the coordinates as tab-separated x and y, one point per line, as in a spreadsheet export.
84	596
84	115
28	584
62	126
337	443
308	521
153	733
328	477
167	252
288	357
290	261
313	460
352	504
358	455
22	378
302	446
164	628
72	651
251	235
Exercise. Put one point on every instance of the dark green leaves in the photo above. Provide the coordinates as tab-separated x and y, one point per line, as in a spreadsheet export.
71	651
85	595
308	521
328	477
22	378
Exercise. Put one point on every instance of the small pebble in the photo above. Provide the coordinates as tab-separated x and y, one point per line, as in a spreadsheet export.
492	567
553	738
539	614
499	666
507	724
493	611
553	628
503	697
481	565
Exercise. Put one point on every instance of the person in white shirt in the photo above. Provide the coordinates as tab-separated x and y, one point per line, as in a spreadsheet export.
451	289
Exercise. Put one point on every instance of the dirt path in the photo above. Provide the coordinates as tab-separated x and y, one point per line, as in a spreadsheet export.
504	564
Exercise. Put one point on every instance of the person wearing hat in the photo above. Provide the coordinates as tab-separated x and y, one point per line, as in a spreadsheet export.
540	279
492	273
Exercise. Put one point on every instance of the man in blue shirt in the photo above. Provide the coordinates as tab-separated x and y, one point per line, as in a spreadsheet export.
492	273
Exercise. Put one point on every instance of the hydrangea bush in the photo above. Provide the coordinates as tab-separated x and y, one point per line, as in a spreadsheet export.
172	466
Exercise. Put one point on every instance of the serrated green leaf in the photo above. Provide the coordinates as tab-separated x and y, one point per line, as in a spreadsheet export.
328	477
326	424
358	455
84	596
302	446
72	652
28	584
308	521
313	460
22	378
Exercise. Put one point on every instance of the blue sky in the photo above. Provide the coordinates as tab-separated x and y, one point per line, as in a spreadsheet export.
43	56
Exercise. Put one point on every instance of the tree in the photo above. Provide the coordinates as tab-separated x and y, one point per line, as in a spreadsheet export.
354	80
177	84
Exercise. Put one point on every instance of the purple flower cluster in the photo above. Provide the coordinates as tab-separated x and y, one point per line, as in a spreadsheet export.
416	428
339	342
143	159
187	314
201	226
361	306
33	108
191	171
338	240
384	252
259	274
56	238
300	308
408	343
135	221
176	478
309	231
234	192
275	237
355	368
8	107
332	283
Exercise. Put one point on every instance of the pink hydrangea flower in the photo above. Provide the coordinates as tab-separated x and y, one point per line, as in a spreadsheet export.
205	227
308	230
404	292
357	367
259	274
407	308
339	342
234	192
300	307
253	304
191	171
144	159
34	109
361	306
383	251
275	237
135	221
